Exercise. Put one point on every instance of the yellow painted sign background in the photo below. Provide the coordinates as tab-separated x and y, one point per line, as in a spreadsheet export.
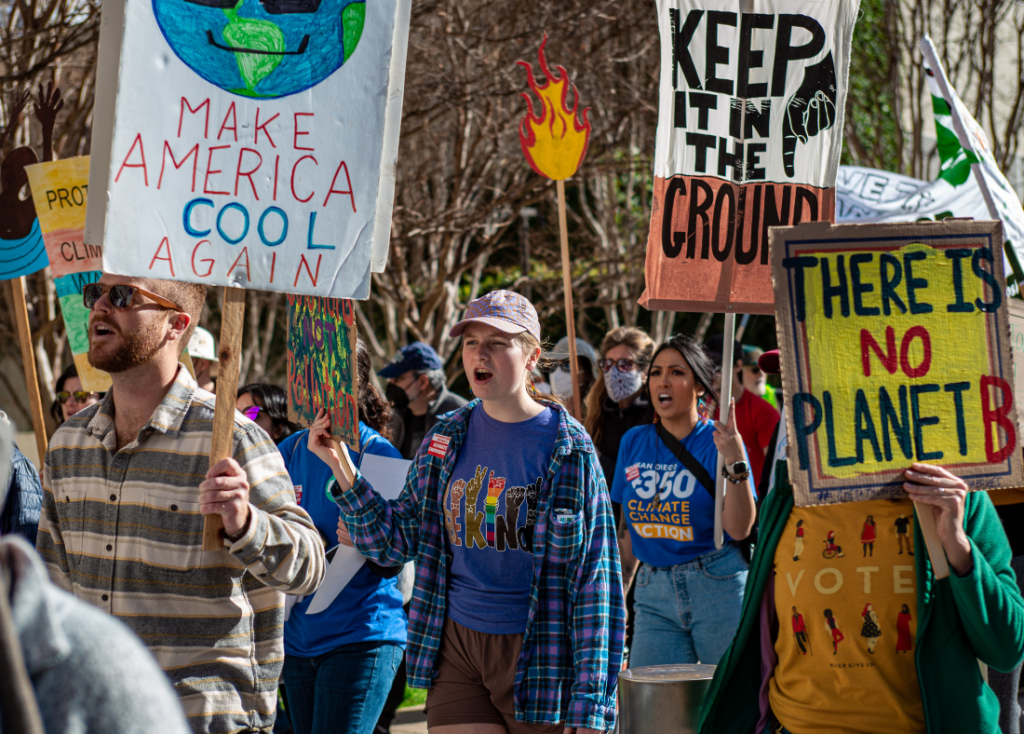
836	361
895	346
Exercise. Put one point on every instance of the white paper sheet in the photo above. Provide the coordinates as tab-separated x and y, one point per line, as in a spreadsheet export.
387	477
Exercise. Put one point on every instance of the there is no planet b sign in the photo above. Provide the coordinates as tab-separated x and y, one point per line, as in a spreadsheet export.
894	344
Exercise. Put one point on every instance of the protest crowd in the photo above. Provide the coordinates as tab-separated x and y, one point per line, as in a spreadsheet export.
195	551
513	611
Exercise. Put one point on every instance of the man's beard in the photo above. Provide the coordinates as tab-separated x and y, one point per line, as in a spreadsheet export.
137	348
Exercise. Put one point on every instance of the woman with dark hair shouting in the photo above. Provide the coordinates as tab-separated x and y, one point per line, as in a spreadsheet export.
688	594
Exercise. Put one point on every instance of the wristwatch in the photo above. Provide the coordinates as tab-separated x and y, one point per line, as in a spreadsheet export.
736	472
334	492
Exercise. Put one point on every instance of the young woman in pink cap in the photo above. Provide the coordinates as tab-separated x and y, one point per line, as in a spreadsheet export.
517	618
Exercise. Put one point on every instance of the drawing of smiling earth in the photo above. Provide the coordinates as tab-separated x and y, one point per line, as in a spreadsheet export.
262	48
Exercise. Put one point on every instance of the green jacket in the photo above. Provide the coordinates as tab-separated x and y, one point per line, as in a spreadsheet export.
961	620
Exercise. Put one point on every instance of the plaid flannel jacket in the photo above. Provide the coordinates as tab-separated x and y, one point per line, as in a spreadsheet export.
122	531
572	649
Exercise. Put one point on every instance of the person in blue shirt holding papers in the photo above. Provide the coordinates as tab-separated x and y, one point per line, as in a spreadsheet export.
339	663
688	594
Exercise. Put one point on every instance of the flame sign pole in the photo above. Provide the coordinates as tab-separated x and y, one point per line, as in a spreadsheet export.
230	354
570	319
554	141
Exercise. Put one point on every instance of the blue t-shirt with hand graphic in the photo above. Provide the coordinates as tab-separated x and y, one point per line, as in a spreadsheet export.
490	509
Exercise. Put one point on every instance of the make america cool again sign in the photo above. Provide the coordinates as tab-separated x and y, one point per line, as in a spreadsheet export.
895	349
749	136
248	144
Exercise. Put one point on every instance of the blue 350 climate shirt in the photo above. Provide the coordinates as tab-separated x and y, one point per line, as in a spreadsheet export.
679	526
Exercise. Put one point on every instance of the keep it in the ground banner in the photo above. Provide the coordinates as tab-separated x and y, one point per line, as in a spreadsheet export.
749	136
894	343
322	370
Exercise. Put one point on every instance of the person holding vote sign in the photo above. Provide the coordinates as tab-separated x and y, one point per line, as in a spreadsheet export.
517	618
126	484
915	669
898	405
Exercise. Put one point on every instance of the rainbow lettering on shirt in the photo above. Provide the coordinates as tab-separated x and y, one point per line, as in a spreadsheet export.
495	486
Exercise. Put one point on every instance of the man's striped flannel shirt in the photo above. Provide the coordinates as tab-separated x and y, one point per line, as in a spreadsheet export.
122	530
572	649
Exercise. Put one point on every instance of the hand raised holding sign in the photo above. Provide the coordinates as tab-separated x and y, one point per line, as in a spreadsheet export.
944	494
727	437
329	450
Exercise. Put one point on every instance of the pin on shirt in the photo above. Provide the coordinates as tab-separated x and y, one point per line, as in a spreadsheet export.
439	446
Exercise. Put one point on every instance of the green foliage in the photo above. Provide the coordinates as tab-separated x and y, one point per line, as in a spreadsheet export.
872	127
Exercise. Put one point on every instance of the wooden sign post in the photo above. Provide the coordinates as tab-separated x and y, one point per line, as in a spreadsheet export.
555	141
28	357
881	370
230	360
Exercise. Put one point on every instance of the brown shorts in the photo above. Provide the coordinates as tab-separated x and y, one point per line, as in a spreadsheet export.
476	673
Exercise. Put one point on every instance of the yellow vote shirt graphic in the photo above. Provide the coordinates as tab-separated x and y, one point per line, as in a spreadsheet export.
846	599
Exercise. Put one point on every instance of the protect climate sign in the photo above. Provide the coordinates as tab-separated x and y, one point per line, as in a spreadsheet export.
749	137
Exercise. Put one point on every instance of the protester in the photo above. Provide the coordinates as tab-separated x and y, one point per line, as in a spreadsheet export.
70	397
688	594
914	665
1010	507
418	389
517	618
127	484
561	376
267	406
619	401
755	417
339	663
202	349
80	670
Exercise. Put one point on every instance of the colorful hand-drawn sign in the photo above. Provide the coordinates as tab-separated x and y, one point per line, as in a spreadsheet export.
894	350
554	140
252	142
322	364
750	122
76	326
60	191
262	48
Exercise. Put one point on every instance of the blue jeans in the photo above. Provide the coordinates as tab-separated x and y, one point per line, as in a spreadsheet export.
688	613
341	691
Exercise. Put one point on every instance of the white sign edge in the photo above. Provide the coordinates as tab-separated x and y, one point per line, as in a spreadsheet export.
108	73
392	131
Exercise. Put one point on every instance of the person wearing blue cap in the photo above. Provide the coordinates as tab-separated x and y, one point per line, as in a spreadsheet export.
418	391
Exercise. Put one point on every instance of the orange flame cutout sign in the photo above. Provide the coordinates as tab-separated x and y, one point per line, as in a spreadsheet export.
554	141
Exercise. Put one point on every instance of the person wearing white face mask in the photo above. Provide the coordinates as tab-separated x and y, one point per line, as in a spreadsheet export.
618	400
561	377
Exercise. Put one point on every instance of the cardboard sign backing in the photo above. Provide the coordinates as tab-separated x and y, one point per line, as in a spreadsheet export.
895	349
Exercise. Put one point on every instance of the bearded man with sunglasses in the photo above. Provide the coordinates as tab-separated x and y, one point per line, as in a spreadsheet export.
126	486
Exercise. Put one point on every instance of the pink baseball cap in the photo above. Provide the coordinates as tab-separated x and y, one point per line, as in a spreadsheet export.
504	310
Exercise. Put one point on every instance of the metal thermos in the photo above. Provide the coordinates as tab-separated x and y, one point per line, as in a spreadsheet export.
662	699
